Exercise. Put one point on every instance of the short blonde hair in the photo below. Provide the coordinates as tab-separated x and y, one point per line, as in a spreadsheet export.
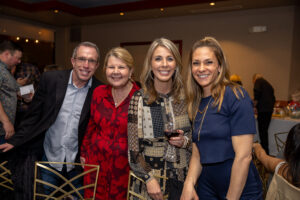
121	54
147	79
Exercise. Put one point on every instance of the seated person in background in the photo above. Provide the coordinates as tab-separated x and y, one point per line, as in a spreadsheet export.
287	173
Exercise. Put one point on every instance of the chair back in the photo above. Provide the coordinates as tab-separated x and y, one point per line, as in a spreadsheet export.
5	176
59	192
280	139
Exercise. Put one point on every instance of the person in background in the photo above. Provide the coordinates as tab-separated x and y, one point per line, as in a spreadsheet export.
224	125
236	79
264	101
105	141
52	67
285	184
58	116
10	55
25	74
159	131
32	75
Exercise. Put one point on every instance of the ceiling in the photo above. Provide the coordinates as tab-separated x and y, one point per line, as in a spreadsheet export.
79	12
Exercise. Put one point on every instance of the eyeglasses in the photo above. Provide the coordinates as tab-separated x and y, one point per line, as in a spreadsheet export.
82	60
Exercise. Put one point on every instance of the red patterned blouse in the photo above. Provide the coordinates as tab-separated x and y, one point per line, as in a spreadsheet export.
105	144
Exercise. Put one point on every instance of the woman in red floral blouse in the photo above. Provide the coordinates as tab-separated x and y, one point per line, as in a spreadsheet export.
105	141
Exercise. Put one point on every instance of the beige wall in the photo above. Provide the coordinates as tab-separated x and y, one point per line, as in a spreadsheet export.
268	53
274	53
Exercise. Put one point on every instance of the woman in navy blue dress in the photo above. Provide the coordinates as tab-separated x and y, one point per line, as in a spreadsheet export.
221	164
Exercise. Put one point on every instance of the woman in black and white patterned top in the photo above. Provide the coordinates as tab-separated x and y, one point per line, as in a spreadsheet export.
158	106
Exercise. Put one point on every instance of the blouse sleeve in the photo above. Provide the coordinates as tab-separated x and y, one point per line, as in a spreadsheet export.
188	140
242	119
135	139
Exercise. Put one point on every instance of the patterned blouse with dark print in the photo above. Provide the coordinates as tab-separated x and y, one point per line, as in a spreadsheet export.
148	146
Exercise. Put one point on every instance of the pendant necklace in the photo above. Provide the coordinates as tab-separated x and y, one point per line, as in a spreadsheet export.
203	116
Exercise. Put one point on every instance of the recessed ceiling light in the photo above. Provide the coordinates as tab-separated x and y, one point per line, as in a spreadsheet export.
212	3
162	9
36	41
17	38
121	13
26	40
40	32
55	11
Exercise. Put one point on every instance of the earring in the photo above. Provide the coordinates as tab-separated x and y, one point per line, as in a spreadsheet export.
151	75
174	74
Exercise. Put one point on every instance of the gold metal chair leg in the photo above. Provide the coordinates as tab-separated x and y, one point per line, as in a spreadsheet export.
67	182
5	175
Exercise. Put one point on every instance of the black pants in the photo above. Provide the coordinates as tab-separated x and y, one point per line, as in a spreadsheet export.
174	189
264	119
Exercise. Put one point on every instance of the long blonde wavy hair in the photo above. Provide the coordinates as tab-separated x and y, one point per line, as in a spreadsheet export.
194	91
147	76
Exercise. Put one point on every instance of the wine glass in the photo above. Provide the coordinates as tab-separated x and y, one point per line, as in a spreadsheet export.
169	132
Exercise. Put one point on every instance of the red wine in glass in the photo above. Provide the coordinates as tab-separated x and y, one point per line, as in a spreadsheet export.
170	134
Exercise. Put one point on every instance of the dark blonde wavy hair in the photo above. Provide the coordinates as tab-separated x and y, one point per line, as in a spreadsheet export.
194	91
147	79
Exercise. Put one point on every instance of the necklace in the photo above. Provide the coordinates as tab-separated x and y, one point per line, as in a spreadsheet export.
205	108
121	96
203	116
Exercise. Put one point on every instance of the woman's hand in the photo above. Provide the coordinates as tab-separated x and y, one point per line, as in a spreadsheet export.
178	141
82	161
256	146
188	192
8	128
28	97
154	190
6	147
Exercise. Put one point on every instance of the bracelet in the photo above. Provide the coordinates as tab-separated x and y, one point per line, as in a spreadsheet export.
186	141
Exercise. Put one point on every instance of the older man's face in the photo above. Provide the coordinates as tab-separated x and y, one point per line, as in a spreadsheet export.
84	65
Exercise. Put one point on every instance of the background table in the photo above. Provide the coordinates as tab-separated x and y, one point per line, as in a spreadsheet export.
278	125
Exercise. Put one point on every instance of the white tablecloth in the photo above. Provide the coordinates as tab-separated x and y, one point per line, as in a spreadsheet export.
278	125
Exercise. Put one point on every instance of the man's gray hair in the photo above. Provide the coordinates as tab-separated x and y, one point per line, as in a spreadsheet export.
86	44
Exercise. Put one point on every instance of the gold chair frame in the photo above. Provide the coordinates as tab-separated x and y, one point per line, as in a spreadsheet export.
130	192
5	181
41	164
280	144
